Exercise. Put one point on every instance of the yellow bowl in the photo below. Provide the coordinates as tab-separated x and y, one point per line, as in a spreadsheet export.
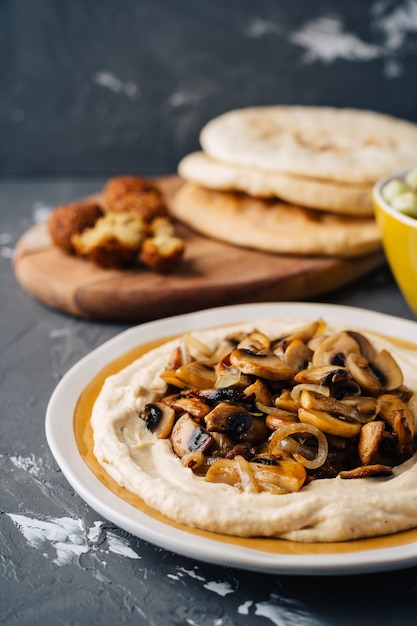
399	239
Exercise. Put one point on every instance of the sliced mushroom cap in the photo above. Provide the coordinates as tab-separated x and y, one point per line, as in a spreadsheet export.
370	438
190	404
170	378
381	374
192	349
297	355
404	436
334	349
228	418
386	406
318	402
273	422
159	418
322	375
255	342
237	422
367	471
259	391
187	436
328	423
287	401
365	346
263	364
197	374
305	333
388	370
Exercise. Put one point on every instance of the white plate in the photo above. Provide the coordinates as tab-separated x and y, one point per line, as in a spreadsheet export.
60	436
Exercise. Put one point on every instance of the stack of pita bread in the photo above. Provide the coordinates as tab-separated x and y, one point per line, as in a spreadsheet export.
293	179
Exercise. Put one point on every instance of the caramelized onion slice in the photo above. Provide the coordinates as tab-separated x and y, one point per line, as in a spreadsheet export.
286	430
297	389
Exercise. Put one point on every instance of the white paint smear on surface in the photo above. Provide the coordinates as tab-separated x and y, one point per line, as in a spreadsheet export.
325	40
396	24
243	609
222	588
69	538
29	464
65	534
120	545
109	81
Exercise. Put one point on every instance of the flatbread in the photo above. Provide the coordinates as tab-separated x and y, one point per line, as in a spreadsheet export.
345	145
272	225
324	195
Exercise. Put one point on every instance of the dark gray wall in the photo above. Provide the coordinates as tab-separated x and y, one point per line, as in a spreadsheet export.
110	86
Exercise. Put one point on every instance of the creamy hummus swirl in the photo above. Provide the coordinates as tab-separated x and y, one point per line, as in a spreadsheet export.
325	510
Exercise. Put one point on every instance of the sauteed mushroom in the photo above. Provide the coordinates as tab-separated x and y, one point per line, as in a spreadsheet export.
263	364
159	418
323	374
187	436
267	414
382	373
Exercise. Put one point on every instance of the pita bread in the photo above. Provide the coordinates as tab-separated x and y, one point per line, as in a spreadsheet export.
316	194
272	225
345	145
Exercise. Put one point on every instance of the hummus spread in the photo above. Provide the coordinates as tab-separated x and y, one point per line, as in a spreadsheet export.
323	510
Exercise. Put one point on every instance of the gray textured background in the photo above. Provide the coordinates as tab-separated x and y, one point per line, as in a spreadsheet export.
103	87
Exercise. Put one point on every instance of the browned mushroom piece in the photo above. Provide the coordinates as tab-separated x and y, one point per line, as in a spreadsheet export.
381	374
190	404
322	375
255	342
370	438
365	346
367	471
263	364
334	349
259	391
159	419
346	411
236	421
187	436
388	404
286	401
298	355
327	423
197	374
404	436
305	333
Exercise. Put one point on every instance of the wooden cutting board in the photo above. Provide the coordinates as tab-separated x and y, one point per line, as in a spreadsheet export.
211	274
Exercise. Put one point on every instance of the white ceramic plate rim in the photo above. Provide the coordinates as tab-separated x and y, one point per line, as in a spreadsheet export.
61	440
